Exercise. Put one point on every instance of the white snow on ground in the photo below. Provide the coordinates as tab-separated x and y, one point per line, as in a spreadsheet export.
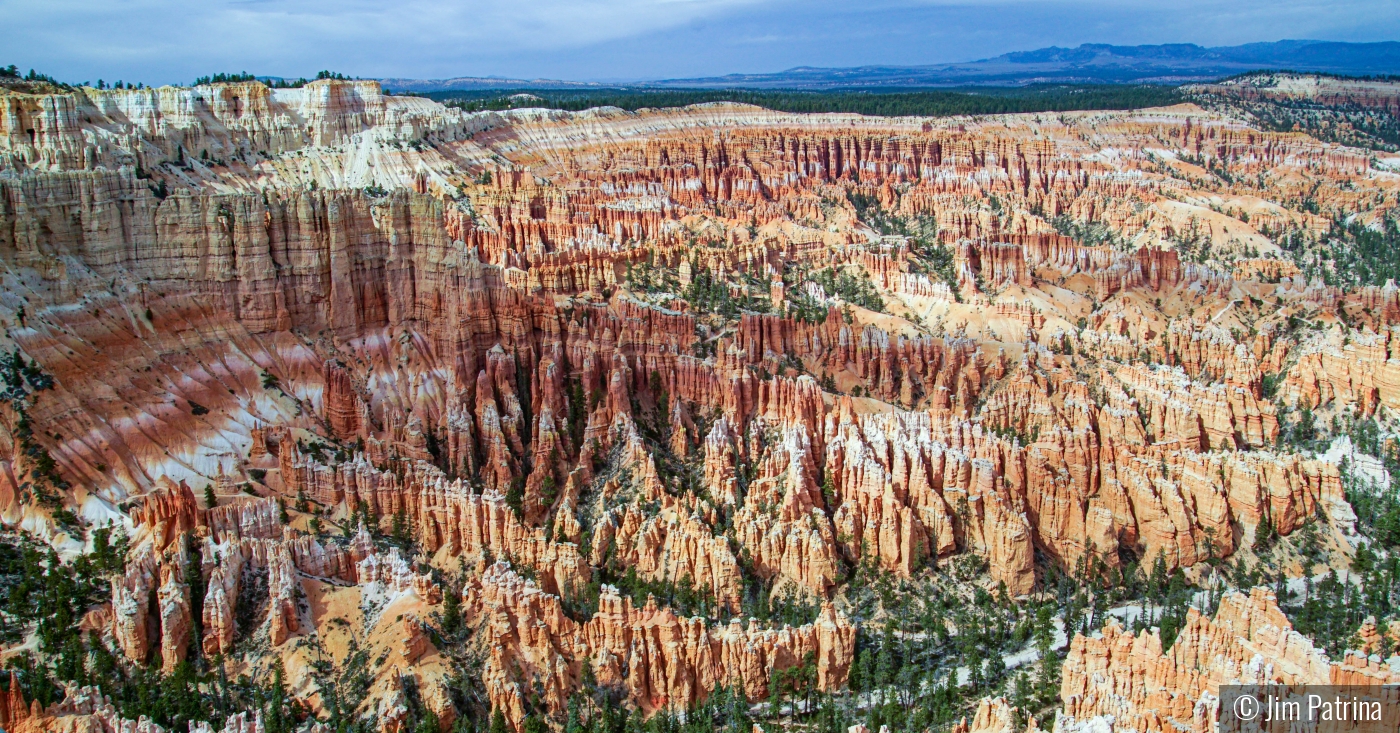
1367	468
1023	657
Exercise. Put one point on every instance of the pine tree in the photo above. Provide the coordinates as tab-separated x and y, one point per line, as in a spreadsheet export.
451	613
179	699
278	718
996	667
515	497
1265	534
776	688
194	579
1157	583
1021	691
429	723
829	492
400	532
974	668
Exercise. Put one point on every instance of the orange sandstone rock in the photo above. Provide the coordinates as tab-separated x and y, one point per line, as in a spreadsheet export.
670	662
1142	687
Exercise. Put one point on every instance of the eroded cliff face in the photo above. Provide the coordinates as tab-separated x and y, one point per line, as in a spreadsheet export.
86	708
1117	681
344	360
994	715
664	662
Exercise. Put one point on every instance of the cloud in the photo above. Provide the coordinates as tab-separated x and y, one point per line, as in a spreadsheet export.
293	36
159	41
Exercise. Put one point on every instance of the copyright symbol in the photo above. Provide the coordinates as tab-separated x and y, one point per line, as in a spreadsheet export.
1246	707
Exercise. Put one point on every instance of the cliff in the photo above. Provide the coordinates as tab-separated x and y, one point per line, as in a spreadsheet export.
661	660
1129	682
327	352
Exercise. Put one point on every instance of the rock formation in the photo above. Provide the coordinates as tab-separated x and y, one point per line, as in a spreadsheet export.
1128	682
994	715
86	708
663	661
325	351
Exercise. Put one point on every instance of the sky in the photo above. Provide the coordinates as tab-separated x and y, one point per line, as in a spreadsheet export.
175	41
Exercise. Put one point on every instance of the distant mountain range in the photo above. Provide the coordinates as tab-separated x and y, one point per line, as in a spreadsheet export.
1091	63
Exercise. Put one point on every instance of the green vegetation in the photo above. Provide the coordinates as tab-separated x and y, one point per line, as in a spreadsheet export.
345	686
682	597
924	102
871	212
1347	123
928	255
271	81
1362	255
1298	429
31	83
1377	510
600	709
1330	609
851	285
1091	234
22	382
929	648
401	530
802	307
234	78
904	675
515	497
42	595
36	590
647	277
21	378
707	294
39	592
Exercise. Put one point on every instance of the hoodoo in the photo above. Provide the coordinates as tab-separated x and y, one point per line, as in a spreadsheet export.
329	409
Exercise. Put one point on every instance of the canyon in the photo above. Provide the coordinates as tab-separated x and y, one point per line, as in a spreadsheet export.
371	383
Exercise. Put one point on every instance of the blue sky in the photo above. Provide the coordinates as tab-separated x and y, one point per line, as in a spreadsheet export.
168	41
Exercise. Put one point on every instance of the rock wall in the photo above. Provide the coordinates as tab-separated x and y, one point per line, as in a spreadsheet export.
87	709
466	324
1128	682
1339	368
664	662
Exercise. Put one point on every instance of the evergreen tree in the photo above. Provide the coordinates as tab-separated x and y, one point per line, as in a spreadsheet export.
277	714
400	532
451	613
1264	534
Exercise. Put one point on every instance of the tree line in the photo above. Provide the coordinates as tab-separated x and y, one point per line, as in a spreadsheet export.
912	102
